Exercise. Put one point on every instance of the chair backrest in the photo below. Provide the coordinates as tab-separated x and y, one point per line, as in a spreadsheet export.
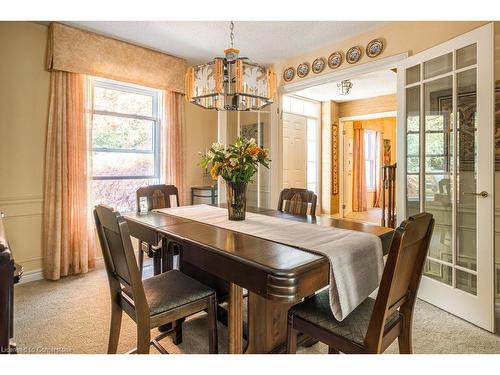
159	196
118	254
296	201
401	277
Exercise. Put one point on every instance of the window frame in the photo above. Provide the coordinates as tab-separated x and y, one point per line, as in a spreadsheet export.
155	119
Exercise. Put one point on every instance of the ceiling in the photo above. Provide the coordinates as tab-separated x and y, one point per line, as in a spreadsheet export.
365	86
264	42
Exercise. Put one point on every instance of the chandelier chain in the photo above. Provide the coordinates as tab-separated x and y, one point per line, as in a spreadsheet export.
231	27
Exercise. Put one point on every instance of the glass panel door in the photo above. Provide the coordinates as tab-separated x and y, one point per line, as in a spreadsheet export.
448	163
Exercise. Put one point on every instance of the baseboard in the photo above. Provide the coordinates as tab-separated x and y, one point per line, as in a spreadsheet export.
35	275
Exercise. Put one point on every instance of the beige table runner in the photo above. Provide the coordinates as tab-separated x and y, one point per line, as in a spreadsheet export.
356	258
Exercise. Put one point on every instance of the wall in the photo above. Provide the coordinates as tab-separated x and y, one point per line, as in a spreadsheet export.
326	157
377	104
24	97
201	132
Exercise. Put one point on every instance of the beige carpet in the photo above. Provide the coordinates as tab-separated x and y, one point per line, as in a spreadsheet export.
72	316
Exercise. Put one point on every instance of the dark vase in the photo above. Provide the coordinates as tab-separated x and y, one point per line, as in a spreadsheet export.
236	200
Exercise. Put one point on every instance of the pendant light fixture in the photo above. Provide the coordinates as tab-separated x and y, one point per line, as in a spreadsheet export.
230	83
344	87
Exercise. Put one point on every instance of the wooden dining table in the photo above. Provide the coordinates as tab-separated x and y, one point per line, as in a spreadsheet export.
276	275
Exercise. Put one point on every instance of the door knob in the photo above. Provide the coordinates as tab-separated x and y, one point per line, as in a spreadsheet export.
482	194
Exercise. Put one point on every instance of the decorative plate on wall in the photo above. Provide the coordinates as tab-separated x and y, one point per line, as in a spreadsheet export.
318	65
374	48
353	55
303	70
335	59
288	74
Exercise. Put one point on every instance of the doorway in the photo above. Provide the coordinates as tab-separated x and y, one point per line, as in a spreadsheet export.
378	141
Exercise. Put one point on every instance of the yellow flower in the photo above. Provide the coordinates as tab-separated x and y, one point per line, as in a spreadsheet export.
214	172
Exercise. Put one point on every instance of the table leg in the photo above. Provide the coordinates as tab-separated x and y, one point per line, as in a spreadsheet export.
235	319
267	322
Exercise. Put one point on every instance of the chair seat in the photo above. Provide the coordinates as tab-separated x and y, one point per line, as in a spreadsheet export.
172	289
317	311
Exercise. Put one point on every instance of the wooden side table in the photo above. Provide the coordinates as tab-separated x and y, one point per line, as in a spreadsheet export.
204	191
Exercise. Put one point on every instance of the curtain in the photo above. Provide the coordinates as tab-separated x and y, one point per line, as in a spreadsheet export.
68	235
173	141
359	181
73	50
377	197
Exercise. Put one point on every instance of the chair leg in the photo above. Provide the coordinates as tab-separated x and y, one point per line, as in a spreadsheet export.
114	329
156	262
291	337
332	350
177	339
143	338
212	325
404	340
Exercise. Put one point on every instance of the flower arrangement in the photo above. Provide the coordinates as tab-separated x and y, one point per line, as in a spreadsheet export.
236	163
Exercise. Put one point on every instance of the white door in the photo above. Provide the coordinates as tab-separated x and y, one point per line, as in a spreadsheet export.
294	151
446	163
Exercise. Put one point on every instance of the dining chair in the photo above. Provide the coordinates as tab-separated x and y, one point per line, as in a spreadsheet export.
158	196
374	324
296	201
156	301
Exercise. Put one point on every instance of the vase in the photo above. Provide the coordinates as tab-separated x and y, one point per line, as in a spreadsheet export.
236	200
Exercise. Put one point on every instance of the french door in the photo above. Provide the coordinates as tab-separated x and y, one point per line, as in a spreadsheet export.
446	131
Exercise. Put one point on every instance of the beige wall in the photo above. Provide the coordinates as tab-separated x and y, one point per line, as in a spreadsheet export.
201	132
24	96
378	104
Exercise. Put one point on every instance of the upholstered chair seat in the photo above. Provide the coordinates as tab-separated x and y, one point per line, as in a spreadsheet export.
169	290
354	327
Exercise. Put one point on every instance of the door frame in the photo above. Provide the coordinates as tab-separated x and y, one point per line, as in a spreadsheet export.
485	51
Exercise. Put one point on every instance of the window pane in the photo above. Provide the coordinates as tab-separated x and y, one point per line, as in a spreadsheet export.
438	271
412	144
413	74
108	164
119	194
311	151
311	172
111	100
122	133
439	65
311	129
466	56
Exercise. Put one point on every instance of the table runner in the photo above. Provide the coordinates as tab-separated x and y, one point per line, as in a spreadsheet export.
356	258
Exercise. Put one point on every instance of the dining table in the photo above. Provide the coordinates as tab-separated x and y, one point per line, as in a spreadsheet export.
275	275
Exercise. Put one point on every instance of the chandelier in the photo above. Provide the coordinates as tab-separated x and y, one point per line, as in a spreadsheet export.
345	87
230	83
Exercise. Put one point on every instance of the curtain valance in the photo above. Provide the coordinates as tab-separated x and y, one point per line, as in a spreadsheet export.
78	51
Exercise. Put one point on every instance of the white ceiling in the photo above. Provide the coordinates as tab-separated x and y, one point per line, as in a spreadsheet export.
264	42
365	86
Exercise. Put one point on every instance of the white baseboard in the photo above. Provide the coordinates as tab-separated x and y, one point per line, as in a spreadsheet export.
30	276
35	275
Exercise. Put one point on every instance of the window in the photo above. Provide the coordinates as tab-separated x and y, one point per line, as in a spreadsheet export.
125	142
370	158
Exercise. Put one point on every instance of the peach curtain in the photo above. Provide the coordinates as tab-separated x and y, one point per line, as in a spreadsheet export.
173	141
358	175
68	245
377	197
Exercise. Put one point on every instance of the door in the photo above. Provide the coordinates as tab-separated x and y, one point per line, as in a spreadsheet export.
294	150
445	101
